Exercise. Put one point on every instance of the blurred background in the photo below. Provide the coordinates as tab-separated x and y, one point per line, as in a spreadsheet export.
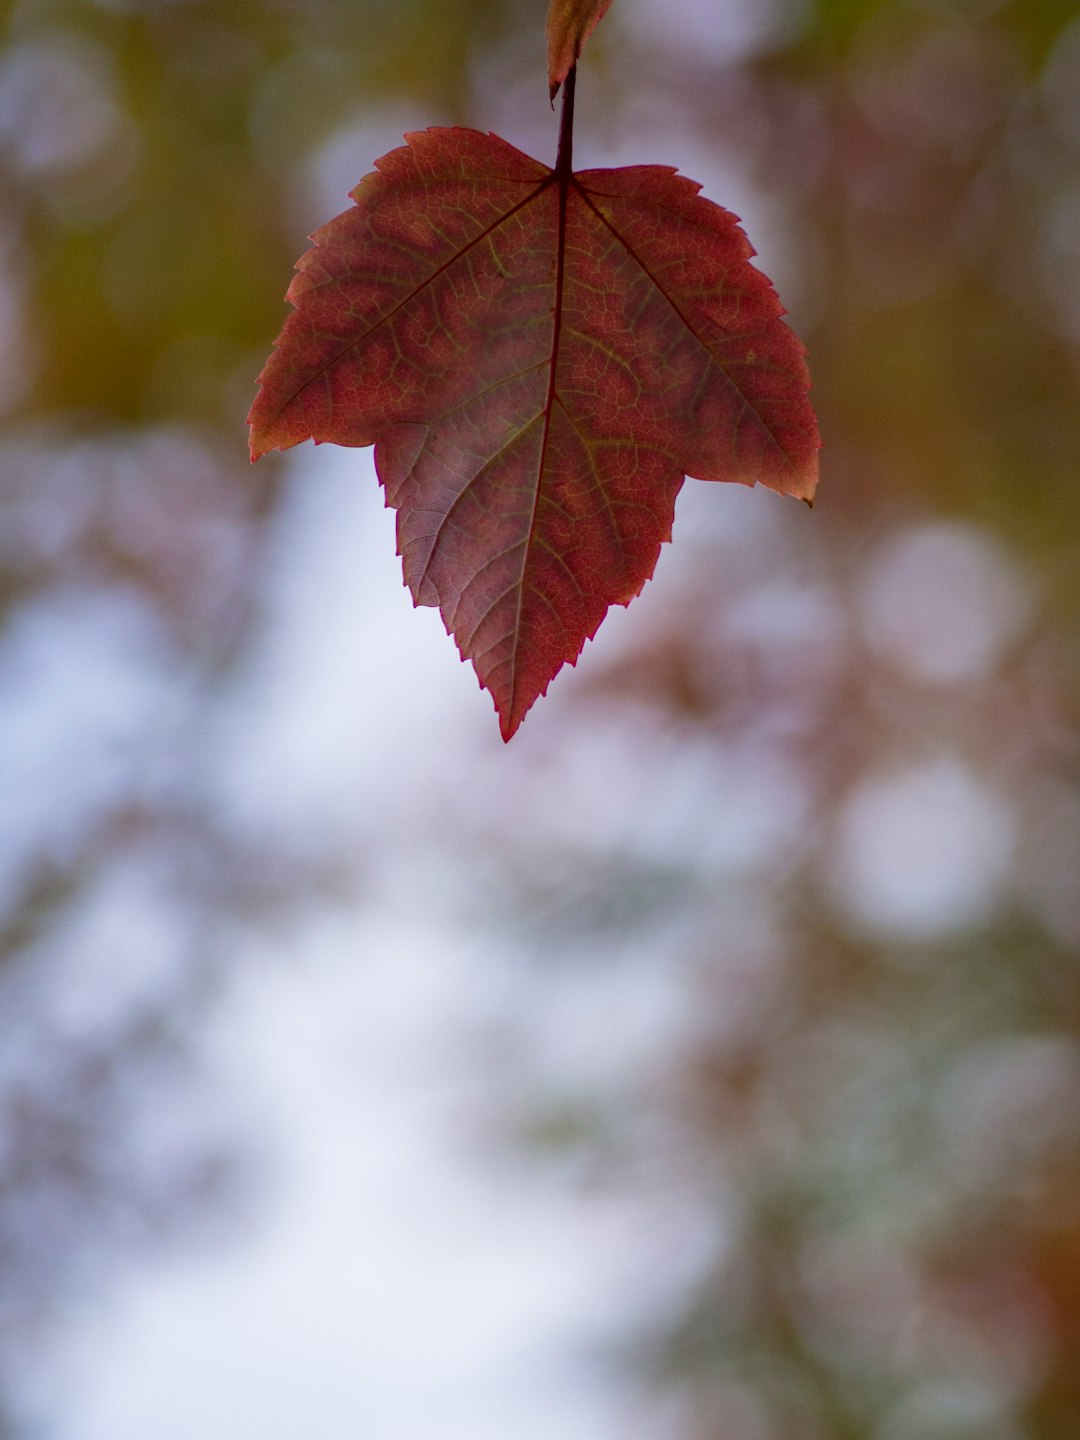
703	1065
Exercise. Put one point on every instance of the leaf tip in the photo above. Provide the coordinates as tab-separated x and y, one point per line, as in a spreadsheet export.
256	449
509	718
569	25
259	442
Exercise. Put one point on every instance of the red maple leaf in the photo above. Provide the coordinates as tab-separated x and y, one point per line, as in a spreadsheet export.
539	358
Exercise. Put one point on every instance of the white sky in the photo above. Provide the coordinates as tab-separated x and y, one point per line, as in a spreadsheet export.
388	1285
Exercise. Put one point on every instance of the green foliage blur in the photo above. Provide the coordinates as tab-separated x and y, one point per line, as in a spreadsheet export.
876	1124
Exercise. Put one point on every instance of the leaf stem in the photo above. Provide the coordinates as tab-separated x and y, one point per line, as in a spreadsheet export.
564	163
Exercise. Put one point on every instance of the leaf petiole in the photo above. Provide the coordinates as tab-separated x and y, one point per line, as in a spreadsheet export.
564	163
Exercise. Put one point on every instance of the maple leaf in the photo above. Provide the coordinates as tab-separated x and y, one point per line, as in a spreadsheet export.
539	358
